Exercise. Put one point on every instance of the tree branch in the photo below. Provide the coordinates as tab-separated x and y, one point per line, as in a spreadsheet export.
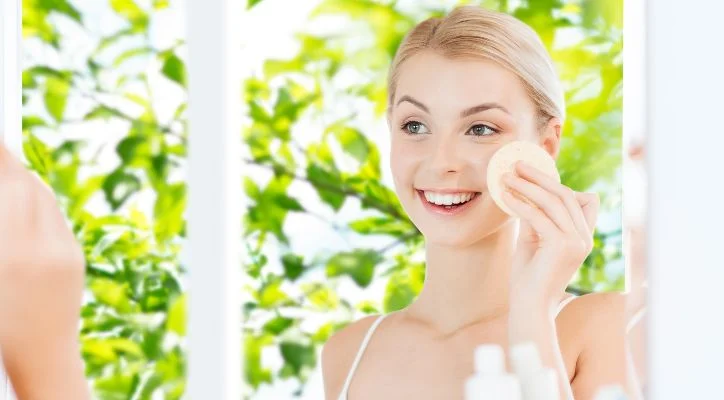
385	208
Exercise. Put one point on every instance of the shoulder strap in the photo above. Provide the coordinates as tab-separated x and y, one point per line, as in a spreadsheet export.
360	353
564	303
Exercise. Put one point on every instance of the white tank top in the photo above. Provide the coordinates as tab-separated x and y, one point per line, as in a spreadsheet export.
345	389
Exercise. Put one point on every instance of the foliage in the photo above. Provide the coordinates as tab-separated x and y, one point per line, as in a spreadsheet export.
342	165
133	319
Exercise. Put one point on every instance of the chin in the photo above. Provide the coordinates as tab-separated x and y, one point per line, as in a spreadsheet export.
459	238
463	236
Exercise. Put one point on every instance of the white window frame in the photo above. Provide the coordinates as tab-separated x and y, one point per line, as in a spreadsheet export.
214	187
685	157
214	202
10	106
10	75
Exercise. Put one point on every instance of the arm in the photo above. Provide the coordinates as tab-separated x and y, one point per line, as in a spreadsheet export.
604	358
555	237
46	371
598	321
533	322
41	287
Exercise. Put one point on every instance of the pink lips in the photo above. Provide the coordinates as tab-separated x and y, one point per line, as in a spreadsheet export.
442	209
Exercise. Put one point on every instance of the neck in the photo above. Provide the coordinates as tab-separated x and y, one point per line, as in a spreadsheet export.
464	286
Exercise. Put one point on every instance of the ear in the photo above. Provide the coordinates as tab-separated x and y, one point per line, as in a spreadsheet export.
550	138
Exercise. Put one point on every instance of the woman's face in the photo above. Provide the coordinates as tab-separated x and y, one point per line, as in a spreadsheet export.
447	119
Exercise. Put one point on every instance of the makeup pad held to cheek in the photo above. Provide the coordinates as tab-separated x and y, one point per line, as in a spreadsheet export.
504	160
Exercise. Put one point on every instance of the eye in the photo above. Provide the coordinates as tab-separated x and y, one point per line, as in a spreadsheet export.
483	130
414	128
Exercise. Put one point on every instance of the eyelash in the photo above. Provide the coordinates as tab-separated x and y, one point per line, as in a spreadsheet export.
405	126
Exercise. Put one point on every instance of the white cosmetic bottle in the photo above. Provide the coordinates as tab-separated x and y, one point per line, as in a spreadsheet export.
490	379
537	383
612	392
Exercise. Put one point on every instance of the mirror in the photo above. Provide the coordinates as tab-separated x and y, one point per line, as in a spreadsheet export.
335	234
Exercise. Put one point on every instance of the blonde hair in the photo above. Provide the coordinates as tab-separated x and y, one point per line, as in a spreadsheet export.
479	33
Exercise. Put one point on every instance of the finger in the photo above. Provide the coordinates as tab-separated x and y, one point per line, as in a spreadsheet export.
543	199
590	204
540	222
566	195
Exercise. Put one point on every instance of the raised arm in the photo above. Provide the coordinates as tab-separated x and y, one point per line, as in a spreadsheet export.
41	286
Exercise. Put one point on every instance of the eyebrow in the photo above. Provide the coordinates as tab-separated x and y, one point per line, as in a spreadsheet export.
465	113
413	101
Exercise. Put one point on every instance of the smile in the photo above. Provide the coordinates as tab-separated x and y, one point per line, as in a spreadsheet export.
447	203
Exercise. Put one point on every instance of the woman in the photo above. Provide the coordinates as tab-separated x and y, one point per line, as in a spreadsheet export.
461	87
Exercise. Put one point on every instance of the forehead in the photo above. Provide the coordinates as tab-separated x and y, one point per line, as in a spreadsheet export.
442	82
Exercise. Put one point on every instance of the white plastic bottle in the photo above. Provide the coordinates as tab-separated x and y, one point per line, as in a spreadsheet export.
611	392
537	383
490	379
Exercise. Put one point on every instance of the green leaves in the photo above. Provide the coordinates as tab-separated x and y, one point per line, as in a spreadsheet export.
119	186
381	225
328	185
256	374
176	321
113	294
357	264
278	325
131	12
252	3
168	211
35	18
403	287
271	295
174	69
271	207
297	356
56	96
131	53
293	266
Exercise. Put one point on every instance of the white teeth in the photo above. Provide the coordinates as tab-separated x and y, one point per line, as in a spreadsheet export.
446	199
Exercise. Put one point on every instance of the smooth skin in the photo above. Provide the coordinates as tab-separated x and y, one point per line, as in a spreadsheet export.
490	278
41	287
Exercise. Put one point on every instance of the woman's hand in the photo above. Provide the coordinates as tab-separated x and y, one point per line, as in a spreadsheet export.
556	235
41	287
555	238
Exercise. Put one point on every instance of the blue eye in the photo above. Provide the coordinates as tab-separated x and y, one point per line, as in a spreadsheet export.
483	130
414	128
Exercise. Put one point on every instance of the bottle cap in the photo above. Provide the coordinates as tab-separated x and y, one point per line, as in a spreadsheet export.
611	392
489	359
524	359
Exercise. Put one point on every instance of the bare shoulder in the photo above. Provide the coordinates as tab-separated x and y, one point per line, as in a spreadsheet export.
585	319
594	327
594	308
338	354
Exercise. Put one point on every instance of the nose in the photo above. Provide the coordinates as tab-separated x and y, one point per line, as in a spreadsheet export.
446	156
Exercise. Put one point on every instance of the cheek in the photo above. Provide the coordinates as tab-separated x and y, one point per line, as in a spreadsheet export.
529	133
403	159
478	158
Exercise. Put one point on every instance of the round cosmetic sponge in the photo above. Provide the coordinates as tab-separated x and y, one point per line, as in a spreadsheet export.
504	160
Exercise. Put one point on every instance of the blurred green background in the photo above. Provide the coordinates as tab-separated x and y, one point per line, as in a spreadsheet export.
104	96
